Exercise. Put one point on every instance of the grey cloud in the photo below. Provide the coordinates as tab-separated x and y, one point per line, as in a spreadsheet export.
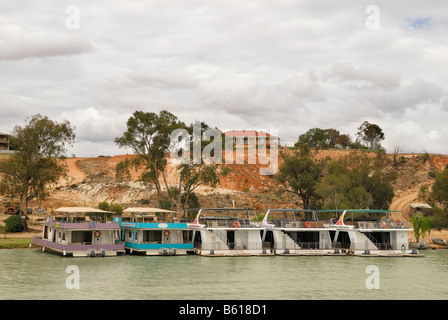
380	79
409	96
17	43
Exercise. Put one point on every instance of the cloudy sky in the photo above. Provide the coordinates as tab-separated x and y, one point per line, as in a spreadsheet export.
273	65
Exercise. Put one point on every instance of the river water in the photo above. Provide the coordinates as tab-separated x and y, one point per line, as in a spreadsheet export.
32	274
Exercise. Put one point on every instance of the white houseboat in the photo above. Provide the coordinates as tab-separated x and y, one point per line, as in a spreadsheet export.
154	231
302	232
80	232
227	232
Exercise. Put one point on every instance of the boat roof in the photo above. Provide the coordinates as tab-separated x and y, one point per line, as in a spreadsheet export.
203	212
80	210
317	211
144	211
333	210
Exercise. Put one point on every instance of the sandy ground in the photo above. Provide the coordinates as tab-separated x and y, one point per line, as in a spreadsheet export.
35	230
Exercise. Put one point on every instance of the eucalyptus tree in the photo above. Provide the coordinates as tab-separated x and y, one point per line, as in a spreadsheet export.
299	174
148	136
39	148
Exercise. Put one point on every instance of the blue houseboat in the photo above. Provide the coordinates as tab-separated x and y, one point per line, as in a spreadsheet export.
154	231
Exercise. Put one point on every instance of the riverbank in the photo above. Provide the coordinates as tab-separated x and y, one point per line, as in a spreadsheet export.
18	240
15	243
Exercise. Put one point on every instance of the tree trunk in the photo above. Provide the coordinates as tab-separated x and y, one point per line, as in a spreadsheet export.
179	191
24	209
185	203
167	189
159	192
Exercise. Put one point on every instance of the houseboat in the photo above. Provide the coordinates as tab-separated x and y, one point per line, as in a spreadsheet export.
304	232
154	231
80	232
227	232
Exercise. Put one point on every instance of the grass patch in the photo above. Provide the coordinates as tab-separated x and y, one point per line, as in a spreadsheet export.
14	243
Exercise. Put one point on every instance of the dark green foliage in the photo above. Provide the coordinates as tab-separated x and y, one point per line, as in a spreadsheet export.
371	134
357	181
300	175
14	224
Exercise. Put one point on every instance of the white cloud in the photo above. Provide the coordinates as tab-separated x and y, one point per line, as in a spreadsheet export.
17	43
286	65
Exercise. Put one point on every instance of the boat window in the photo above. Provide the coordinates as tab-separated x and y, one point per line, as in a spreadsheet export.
152	236
81	237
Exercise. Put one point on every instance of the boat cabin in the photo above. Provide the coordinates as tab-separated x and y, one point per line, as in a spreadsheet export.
154	231
227	232
322	232
80	232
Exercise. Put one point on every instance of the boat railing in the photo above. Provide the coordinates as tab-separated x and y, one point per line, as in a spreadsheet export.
333	245
398	224
233	223
238	245
299	223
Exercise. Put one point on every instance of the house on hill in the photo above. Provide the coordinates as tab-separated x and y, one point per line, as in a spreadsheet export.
419	207
4	141
241	137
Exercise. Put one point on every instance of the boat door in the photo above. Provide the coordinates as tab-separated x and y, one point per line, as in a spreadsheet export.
97	237
167	236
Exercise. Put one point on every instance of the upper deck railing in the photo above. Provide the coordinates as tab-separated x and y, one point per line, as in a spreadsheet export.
230	223
363	225
84	225
306	218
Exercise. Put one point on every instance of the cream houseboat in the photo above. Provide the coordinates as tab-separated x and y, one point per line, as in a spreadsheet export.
303	232
80	232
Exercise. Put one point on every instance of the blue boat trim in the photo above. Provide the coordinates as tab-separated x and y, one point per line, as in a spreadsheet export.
153	246
151	225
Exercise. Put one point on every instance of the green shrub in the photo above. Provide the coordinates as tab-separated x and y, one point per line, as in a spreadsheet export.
14	224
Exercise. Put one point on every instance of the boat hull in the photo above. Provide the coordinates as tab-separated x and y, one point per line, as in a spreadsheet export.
79	250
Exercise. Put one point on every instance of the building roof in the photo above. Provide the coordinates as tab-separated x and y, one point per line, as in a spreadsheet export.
420	205
246	133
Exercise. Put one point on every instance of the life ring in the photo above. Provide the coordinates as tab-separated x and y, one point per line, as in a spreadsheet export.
97	234
308	224
166	233
236	224
385	226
